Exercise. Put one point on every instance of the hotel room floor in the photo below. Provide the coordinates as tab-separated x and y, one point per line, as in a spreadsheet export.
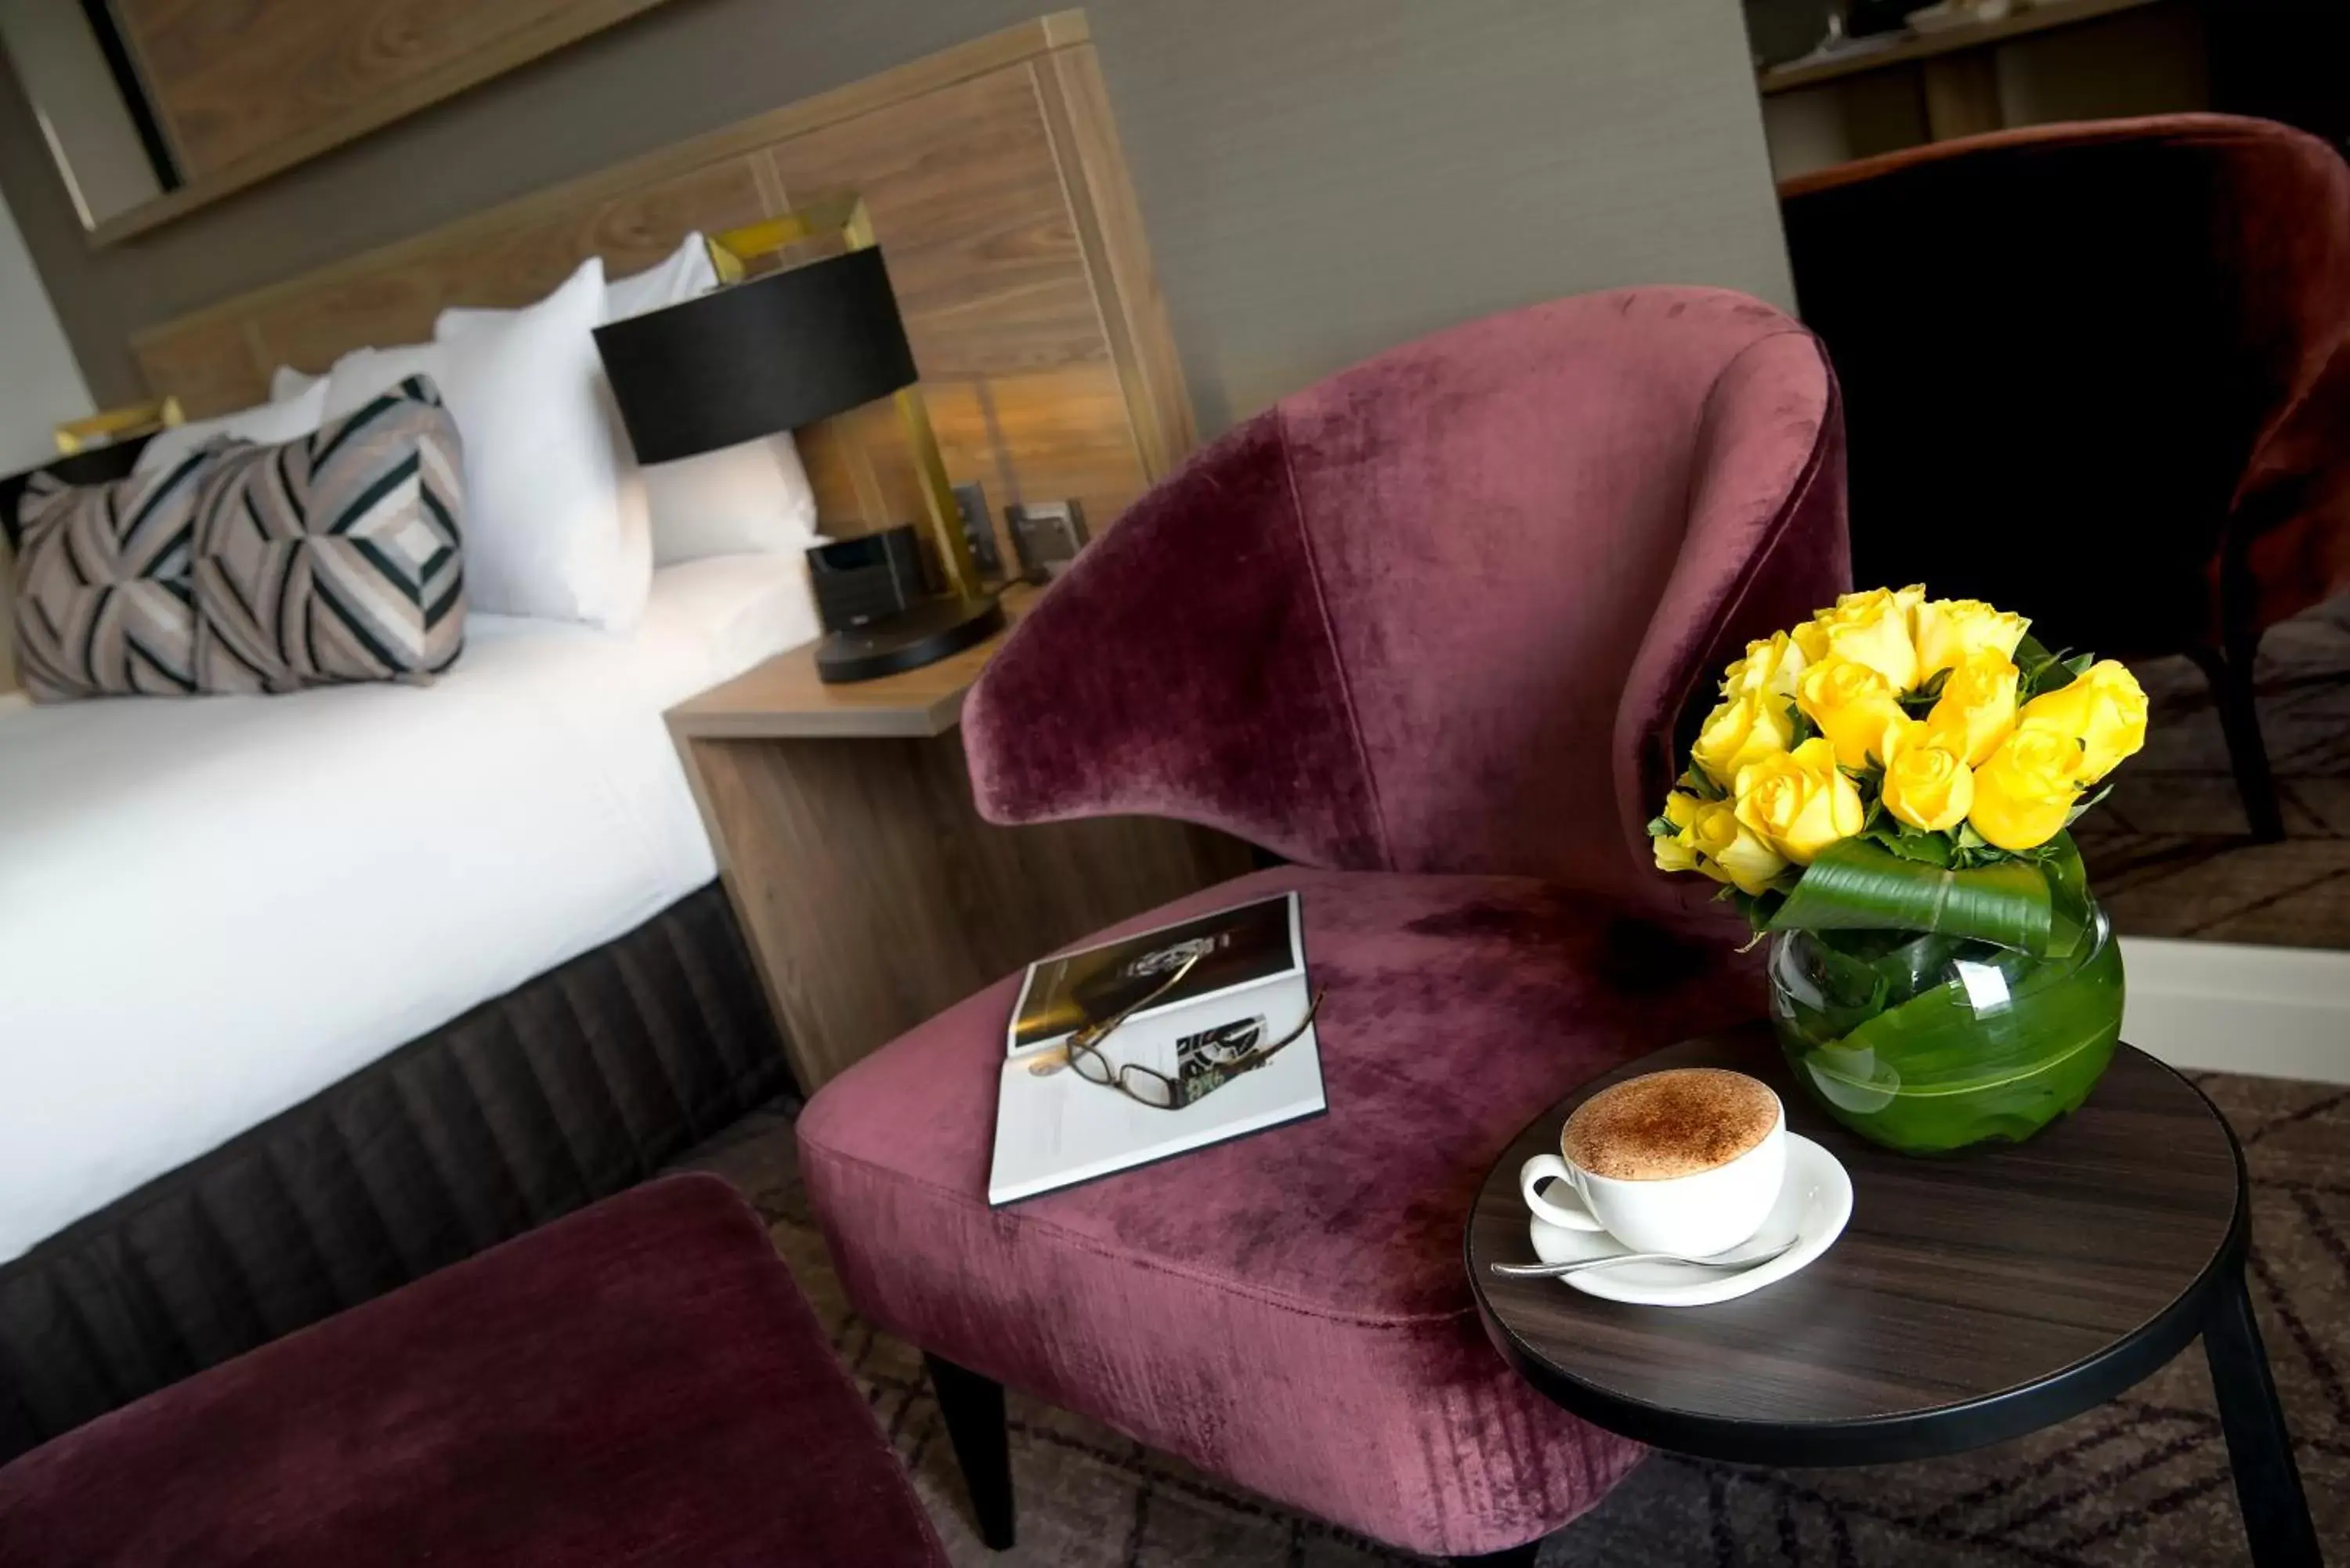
2167	851
2143	1480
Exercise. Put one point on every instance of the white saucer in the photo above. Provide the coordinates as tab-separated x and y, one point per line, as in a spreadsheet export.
1815	1201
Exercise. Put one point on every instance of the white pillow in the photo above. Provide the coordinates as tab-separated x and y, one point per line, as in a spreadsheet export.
628	480
266	423
286	382
542	477
631	504
752	498
363	374
633	578
683	274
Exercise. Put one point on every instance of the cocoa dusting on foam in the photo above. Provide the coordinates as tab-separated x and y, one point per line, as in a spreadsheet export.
1663	1124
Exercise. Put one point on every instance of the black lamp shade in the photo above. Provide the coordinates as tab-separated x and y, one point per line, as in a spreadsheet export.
772	353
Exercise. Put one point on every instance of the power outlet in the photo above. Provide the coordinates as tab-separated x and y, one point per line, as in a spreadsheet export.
970	500
1048	535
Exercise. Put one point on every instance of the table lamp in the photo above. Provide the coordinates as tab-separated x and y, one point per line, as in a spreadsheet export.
783	349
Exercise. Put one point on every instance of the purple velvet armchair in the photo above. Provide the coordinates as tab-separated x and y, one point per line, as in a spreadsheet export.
1425	630
2114	355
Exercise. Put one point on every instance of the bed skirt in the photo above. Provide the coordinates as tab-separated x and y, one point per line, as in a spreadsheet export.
581	1083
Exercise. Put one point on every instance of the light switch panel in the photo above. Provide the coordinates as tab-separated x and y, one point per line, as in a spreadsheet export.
1047	533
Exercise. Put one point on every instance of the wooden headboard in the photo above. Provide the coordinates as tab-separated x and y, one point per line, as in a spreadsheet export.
1001	201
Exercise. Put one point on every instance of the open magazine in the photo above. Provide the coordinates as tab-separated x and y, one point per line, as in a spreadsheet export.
1203	1009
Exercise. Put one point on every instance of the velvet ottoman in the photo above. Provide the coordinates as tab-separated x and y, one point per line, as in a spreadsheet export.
1289	1307
640	1383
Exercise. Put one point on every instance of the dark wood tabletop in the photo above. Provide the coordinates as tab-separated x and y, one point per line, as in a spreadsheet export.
1974	1296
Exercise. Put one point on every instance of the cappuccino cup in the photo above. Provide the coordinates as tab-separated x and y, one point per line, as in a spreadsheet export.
1688	1161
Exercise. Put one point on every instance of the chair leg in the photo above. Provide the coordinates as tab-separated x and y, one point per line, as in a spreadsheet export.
1516	1557
2230	675
973	1409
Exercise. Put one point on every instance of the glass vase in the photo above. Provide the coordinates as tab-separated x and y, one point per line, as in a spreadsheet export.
1928	1044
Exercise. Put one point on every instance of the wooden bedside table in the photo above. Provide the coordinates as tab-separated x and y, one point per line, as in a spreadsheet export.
872	893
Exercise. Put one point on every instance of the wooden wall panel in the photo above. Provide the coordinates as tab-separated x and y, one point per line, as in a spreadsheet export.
833	459
1047	435
1141	340
967	201
308	328
967	195
240	81
212	366
1030	303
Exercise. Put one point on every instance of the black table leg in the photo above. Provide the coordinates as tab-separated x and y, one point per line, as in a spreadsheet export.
2260	1449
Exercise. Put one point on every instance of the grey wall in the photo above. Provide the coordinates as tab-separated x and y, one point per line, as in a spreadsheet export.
1320	178
39	386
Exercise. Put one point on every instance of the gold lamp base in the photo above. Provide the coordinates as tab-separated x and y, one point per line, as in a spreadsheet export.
845	218
112	425
921	634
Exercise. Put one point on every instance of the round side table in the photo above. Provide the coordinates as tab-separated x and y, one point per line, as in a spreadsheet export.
1973	1297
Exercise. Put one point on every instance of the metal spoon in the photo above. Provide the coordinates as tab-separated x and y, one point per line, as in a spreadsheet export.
1739	1257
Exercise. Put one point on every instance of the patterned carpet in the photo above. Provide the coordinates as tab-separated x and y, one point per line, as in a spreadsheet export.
2143	1480
2168	853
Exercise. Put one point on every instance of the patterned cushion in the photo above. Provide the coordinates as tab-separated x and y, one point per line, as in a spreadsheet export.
104	604
336	557
333	558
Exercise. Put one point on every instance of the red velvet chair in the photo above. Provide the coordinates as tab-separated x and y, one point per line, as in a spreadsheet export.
1423	629
2100	374
638	1385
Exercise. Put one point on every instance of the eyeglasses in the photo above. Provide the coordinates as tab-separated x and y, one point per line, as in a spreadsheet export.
1156	1089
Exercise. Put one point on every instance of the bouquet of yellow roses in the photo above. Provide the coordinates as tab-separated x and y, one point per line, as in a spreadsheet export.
1902	762
1887	789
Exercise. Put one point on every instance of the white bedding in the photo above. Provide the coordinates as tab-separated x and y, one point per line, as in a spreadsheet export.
212	908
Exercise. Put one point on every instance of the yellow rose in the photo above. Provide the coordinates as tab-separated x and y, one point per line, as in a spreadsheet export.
1811	638
1977	708
2104	710
1927	784
1712	840
2025	791
1876	628
1948	631
1672	849
1799	801
1769	668
1743	729
1852	704
1729	851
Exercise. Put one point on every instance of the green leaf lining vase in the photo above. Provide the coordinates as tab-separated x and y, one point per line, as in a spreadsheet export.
1928	1042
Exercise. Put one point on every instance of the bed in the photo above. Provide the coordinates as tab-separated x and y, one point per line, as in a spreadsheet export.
448	842
304	996
469	859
